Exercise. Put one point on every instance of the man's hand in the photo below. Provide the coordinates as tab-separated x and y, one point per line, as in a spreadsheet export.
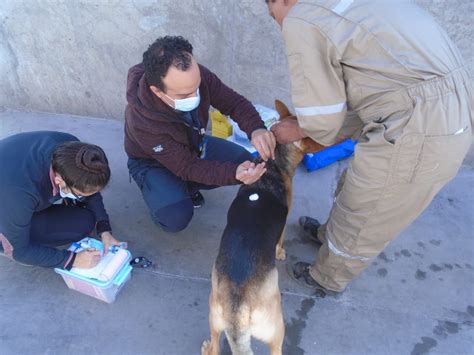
87	259
264	141
287	131
248	172
108	240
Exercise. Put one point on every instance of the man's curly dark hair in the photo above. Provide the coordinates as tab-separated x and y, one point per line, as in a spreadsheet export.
161	54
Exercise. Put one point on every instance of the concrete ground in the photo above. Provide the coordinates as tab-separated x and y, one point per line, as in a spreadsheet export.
415	298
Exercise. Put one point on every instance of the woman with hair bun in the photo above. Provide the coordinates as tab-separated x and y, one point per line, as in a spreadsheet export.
49	190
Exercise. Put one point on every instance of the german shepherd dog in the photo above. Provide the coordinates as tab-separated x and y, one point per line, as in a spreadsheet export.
245	299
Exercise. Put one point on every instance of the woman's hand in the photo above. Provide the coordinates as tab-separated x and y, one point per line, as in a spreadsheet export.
248	172
87	259
264	141
108	240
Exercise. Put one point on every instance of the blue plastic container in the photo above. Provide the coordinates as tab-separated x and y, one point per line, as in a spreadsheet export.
329	155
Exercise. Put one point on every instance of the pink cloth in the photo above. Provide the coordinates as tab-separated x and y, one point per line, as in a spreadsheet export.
7	247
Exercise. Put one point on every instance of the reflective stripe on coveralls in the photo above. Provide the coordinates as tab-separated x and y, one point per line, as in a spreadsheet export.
320	110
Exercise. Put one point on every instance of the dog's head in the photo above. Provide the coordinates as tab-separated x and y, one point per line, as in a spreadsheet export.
305	145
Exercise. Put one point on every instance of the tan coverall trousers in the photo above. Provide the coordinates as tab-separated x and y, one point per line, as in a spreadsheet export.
390	182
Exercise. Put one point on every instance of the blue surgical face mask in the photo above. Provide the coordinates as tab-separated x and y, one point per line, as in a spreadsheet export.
187	104
70	195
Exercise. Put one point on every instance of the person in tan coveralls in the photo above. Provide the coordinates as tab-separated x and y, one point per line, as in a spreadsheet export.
391	64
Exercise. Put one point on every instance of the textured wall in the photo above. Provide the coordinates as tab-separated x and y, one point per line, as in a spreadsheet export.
72	56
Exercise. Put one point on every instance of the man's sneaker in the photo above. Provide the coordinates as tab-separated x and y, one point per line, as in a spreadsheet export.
299	272
310	227
198	199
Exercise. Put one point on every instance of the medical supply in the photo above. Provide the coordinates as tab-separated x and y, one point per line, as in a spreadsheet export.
220	125
329	155
104	280
269	118
87	244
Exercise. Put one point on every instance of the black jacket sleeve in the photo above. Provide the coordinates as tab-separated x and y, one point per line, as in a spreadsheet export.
96	205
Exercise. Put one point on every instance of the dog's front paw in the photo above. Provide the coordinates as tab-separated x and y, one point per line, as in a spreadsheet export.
280	253
205	347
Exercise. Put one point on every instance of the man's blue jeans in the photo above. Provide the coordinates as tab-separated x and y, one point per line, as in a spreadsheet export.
167	195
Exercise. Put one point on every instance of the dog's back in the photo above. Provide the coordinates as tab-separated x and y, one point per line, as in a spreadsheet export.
255	221
245	266
245	300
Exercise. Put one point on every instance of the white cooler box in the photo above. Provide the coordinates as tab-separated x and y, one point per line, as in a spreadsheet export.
103	289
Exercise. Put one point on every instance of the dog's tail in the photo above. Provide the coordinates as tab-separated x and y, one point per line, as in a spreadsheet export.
238	334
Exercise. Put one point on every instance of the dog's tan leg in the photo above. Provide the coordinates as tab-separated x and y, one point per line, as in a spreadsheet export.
280	251
205	347
216	321
276	343
211	347
267	318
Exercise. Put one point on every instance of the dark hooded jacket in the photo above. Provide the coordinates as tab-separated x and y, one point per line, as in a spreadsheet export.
153	130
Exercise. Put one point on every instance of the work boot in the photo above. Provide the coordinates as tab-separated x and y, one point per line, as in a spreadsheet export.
198	199
299	272
310	227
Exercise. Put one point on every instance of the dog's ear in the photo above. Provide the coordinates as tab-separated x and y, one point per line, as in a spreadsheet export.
310	146
282	109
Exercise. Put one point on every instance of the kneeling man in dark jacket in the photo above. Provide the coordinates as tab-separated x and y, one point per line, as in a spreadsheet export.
170	156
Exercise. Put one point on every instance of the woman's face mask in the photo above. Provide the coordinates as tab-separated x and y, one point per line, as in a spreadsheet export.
187	104
70	195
